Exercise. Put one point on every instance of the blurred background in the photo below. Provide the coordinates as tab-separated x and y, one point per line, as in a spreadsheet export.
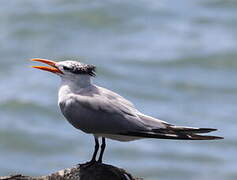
176	60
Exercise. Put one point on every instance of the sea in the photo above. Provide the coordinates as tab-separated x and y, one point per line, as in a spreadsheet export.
175	60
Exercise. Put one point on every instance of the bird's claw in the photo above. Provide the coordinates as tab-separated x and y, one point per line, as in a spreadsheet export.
88	164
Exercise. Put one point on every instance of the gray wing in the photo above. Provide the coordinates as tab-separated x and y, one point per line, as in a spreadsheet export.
122	102
98	110
104	112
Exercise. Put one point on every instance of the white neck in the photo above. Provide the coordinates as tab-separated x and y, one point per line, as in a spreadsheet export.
78	82
73	85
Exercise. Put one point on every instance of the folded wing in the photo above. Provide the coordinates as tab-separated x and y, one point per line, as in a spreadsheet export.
163	130
113	114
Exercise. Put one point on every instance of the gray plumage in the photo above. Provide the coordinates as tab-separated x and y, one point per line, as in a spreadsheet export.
99	111
103	113
96	110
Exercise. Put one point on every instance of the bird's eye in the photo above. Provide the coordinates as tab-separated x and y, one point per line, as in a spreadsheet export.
66	68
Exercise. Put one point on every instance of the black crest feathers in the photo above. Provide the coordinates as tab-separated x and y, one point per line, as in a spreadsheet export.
84	69
80	68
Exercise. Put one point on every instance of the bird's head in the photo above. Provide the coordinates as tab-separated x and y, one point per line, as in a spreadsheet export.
66	68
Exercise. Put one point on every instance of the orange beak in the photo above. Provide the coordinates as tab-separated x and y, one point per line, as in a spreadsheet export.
53	68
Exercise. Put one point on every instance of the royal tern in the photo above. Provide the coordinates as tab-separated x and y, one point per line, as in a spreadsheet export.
103	113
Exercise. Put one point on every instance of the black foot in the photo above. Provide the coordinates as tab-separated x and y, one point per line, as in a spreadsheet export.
88	164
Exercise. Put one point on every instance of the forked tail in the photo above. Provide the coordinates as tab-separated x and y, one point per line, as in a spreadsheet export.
175	132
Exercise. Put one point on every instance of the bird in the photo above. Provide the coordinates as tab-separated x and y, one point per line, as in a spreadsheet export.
105	114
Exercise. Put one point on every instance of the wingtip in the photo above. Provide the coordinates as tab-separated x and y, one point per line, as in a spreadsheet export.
211	129
218	137
198	137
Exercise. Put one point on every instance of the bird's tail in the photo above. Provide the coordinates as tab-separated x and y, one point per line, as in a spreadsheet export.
185	129
176	132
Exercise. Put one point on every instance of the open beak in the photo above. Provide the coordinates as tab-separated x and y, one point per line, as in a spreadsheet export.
53	68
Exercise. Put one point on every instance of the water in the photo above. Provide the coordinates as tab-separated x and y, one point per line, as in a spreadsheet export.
175	60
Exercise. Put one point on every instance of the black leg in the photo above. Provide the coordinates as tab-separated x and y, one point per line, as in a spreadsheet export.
93	160
102	150
96	150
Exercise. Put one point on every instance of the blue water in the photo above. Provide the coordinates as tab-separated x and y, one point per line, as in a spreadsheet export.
175	60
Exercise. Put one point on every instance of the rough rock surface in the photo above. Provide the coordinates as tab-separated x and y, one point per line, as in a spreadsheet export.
95	172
